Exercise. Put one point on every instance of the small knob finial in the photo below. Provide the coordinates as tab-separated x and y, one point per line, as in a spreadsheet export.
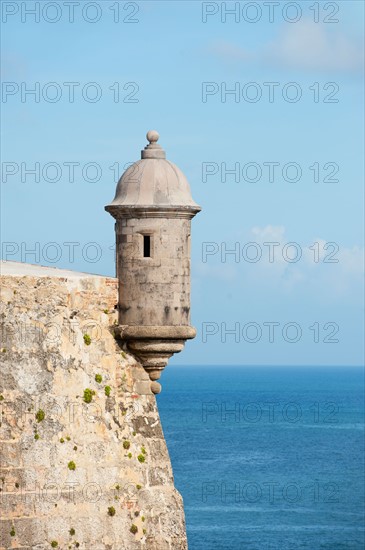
153	136
153	150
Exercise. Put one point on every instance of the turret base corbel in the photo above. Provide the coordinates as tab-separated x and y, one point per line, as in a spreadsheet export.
154	345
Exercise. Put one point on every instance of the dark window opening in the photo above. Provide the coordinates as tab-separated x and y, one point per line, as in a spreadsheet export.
146	246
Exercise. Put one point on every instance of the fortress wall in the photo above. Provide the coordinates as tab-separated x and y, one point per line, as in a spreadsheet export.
90	475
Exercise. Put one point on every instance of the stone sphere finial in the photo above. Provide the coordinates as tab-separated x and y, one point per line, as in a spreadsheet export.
152	136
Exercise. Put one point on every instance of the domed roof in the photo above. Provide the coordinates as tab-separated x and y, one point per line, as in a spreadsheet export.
153	183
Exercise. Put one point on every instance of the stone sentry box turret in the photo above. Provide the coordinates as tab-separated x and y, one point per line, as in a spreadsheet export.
153	209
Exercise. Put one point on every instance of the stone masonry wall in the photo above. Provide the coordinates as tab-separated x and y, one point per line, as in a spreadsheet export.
83	460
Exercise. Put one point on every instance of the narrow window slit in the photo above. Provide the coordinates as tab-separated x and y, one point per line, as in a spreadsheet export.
146	246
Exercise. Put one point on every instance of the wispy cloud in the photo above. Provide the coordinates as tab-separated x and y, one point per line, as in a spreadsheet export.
308	46
231	52
304	46
331	272
13	66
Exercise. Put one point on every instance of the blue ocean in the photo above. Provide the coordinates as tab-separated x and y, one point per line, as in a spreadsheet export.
267	457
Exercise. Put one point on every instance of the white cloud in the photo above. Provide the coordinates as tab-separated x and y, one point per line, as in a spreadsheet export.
352	260
230	52
305	46
268	233
316	273
328	269
13	66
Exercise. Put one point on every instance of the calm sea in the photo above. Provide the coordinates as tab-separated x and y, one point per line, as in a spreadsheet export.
267	457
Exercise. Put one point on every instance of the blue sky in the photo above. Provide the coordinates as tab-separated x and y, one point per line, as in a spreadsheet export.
159	64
